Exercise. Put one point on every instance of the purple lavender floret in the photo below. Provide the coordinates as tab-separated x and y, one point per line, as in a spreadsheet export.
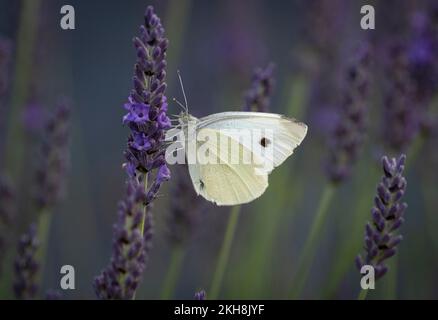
201	295
130	249
26	267
52	171
7	213
381	237
347	137
147	106
257	98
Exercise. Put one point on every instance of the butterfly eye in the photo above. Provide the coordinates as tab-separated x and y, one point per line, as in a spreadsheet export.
264	142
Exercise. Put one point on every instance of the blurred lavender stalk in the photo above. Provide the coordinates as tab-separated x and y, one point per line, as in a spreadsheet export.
411	76
185	211
181	221
381	238
26	266
54	159
423	64
5	57
257	99
401	117
20	87
147	121
7	214
51	173
412	68
347	138
344	147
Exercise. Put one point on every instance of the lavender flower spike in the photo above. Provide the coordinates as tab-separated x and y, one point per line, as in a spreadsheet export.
148	121
26	266
401	116
130	249
381	239
257	98
347	137
147	106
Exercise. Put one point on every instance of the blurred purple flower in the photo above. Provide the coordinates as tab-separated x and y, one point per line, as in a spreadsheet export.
381	239
54	153
257	98
130	249
201	295
53	295
423	54
33	117
237	44
7	213
347	137
26	266
423	63
401	116
147	106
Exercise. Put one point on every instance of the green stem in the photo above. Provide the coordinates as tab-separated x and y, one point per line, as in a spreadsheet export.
224	253
390	280
177	16
20	87
43	232
310	246
173	273
362	294
143	220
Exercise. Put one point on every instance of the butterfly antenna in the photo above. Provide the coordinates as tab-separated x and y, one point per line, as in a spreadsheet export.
183	91
180	104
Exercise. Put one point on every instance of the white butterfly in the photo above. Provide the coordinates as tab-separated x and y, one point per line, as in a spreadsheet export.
229	182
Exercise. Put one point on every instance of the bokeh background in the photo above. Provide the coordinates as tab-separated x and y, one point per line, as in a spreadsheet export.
217	45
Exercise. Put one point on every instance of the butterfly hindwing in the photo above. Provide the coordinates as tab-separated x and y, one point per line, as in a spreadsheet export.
223	180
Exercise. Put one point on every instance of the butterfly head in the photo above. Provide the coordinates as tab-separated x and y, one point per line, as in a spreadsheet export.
186	119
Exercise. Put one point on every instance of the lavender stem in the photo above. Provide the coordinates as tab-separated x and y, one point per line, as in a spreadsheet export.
224	253
171	278
143	219
362	294
310	246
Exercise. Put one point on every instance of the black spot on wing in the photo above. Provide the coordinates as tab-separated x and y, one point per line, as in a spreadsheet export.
264	142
